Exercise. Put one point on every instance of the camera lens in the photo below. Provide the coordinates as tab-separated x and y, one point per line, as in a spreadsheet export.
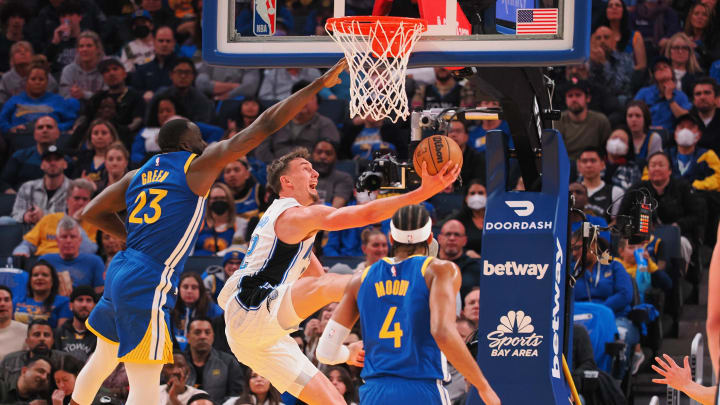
369	181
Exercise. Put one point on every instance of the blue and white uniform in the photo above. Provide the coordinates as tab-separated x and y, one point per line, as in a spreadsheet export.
252	299
164	216
403	364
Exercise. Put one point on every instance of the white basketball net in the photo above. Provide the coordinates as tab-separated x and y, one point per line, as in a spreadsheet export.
378	64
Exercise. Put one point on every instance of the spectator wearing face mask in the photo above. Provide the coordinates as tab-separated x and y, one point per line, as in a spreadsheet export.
140	50
620	167
218	230
699	166
472	216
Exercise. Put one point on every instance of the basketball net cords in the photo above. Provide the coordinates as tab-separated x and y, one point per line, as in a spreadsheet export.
377	85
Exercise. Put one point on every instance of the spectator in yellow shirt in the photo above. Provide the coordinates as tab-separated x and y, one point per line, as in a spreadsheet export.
626	251
41	239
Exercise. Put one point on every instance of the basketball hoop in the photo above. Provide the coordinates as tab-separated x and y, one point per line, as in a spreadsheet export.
377	50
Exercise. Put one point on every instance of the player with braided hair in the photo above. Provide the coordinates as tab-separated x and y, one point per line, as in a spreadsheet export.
406	306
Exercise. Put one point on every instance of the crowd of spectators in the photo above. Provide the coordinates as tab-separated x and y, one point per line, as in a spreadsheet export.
86	86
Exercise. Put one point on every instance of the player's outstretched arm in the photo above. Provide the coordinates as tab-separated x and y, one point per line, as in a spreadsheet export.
102	210
300	222
713	312
444	282
205	168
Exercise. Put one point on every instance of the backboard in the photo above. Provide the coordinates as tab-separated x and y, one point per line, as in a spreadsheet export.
264	33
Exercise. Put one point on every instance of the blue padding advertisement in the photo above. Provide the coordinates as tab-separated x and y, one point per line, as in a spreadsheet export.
522	288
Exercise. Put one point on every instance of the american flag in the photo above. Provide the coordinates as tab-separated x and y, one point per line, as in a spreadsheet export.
537	21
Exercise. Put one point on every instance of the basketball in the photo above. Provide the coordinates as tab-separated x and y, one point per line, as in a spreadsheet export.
436	150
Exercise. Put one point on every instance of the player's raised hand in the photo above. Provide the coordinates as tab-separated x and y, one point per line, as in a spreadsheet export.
357	354
674	375
437	183
331	77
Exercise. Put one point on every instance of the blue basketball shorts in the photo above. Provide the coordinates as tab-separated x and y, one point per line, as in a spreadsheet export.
395	390
134	311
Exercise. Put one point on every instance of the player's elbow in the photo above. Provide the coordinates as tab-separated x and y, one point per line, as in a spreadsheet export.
441	332
85	213
713	323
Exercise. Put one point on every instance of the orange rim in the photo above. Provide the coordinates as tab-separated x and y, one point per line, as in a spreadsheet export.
360	25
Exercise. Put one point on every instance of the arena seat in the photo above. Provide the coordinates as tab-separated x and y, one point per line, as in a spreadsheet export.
352	261
227	109
198	264
16	280
336	110
348	166
446	204
10	236
20	140
599	321
6	204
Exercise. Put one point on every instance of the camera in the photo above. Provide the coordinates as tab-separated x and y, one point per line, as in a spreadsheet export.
386	172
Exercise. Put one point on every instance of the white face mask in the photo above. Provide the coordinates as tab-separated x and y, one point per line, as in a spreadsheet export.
685	137
617	147
476	202
363	197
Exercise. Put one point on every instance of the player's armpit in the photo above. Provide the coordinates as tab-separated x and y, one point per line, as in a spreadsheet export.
315	268
102	210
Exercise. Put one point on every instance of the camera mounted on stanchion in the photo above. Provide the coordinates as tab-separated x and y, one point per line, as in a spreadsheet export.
386	172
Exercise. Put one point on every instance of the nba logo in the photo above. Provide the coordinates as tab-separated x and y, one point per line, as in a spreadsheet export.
264	17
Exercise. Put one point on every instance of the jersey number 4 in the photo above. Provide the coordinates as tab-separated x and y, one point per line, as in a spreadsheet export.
396	333
140	202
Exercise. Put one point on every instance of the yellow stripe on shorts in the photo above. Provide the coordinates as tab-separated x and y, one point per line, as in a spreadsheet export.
141	352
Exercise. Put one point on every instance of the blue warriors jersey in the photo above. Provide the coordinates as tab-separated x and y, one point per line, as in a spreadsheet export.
395	318
248	206
164	215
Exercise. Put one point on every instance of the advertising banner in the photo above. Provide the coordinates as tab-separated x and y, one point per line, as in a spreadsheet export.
522	287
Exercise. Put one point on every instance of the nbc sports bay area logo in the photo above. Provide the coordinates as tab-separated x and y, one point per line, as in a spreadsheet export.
514	337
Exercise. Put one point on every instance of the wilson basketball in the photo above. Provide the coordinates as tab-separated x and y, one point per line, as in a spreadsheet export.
436	150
